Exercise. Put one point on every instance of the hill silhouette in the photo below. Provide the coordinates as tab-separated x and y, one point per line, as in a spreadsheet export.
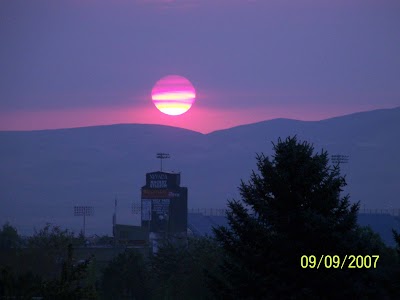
45	173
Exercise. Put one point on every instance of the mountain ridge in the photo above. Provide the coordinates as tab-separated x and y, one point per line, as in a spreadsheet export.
45	173
218	130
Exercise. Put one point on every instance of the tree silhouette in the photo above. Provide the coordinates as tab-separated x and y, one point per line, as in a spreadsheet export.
291	207
9	238
125	277
396	237
46	268
179	272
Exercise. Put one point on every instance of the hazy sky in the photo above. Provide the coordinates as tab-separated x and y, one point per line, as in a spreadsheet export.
88	62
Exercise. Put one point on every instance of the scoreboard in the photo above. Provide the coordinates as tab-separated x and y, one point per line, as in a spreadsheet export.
164	203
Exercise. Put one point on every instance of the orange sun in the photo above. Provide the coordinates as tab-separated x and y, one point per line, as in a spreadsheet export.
173	95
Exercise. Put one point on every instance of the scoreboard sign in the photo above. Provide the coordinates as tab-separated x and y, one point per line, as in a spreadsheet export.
154	207
162	180
158	184
158	181
159	215
164	203
146	209
157	212
161	206
159	194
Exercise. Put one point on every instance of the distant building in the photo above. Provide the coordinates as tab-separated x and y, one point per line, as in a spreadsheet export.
164	208
128	235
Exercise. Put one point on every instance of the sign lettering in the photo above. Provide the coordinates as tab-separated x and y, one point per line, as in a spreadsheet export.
173	195
161	206
158	184
158	176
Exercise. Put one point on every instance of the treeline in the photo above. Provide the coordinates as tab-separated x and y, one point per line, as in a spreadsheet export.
45	266
288	238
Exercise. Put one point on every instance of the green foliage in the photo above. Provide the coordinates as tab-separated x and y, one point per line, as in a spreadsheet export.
46	267
125	277
46	250
292	207
53	237
23	286
180	272
73	283
396	237
105	240
9	238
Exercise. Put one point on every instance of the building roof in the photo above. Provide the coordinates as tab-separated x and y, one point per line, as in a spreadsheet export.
130	232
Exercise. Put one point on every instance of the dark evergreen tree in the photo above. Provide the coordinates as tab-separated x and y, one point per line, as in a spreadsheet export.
293	207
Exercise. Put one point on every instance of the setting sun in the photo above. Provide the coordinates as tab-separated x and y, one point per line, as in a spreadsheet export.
173	95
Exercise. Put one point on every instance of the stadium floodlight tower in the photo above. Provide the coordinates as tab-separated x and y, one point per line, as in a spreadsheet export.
162	156
340	159
84	211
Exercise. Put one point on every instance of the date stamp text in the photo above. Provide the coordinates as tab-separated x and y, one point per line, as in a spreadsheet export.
336	262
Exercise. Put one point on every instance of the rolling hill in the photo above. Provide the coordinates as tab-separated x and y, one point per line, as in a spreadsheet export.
44	173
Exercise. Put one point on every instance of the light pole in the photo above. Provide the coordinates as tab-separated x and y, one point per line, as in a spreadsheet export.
339	159
83	211
162	156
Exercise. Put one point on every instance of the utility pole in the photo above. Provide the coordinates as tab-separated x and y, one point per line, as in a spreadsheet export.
115	218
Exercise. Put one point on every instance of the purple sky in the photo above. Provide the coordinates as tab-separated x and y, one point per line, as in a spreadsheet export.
88	62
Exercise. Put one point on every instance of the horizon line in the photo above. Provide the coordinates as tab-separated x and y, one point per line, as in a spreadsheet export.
205	133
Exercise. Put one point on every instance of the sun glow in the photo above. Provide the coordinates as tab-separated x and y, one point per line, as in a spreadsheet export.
173	95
